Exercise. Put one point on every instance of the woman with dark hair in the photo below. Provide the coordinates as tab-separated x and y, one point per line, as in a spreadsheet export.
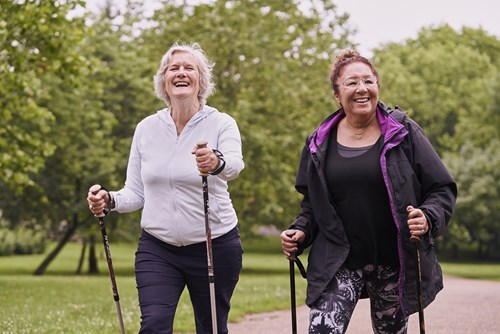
163	179
370	180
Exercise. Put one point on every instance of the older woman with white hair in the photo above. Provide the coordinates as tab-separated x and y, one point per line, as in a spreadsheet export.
163	179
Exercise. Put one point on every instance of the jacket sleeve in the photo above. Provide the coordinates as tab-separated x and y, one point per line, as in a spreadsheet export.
438	190
131	196
305	219
229	143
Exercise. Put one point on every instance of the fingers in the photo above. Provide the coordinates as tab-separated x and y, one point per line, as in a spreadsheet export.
417	222
290	240
206	160
97	199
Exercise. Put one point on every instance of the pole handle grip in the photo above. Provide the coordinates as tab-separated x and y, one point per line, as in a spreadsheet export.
94	190
202	144
292	257
414	238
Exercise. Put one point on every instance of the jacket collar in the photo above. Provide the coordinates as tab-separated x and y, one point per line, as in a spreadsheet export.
392	129
205	111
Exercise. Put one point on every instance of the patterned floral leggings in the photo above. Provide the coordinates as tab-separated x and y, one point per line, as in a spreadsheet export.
332	311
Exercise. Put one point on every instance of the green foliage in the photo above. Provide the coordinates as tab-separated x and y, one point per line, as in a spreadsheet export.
29	241
86	116
22	240
36	40
448	81
265	53
7	242
72	94
477	172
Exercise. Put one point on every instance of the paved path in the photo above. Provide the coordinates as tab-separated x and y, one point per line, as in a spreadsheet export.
463	307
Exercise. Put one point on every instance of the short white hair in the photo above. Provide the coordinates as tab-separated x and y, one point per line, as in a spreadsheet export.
205	66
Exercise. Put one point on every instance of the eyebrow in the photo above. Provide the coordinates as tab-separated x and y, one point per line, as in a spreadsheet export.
362	77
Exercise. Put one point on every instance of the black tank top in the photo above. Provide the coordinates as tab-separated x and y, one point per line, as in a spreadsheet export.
360	198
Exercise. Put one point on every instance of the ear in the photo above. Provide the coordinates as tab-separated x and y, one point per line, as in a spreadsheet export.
337	98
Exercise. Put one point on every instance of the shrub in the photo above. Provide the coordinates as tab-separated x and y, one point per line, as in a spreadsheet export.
7	242
22	240
29	241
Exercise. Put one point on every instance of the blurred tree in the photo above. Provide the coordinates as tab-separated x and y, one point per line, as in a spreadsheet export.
477	217
72	95
272	60
36	41
96	121
449	81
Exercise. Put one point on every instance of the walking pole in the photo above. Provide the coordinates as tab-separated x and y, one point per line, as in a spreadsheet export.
416	241
293	305
211	277
94	190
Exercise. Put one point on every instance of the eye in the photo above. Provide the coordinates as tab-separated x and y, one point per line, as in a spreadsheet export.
351	83
369	82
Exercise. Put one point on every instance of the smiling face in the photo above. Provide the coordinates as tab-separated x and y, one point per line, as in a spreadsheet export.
182	78
358	90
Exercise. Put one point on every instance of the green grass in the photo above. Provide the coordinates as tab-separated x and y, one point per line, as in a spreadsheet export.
61	302
476	270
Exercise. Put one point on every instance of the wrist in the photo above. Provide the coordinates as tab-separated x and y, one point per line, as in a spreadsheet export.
221	165
110	204
111	201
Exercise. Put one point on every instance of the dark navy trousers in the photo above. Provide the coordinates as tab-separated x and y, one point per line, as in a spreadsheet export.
163	271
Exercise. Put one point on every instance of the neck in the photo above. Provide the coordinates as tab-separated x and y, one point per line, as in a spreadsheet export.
360	127
182	113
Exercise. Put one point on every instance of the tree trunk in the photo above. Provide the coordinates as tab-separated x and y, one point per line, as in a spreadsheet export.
93	269
454	251
52	255
67	236
82	256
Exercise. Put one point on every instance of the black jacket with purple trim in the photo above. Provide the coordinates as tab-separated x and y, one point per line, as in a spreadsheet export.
413	174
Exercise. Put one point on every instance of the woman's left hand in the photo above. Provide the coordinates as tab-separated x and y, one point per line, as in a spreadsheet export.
417	222
206	160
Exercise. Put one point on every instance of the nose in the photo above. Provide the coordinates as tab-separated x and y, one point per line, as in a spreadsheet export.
361	86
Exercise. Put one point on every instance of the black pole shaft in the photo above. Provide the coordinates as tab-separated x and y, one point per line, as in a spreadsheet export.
111	271
419	292
211	276
95	190
416	241
293	304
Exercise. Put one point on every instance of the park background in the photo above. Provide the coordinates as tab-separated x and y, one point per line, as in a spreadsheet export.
74	83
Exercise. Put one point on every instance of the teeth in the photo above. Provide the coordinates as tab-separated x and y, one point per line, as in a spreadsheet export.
361	100
184	84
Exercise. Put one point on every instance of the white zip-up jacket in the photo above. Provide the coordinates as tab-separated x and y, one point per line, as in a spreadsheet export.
163	180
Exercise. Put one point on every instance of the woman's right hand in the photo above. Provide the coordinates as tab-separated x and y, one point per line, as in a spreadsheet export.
290	240
98	200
